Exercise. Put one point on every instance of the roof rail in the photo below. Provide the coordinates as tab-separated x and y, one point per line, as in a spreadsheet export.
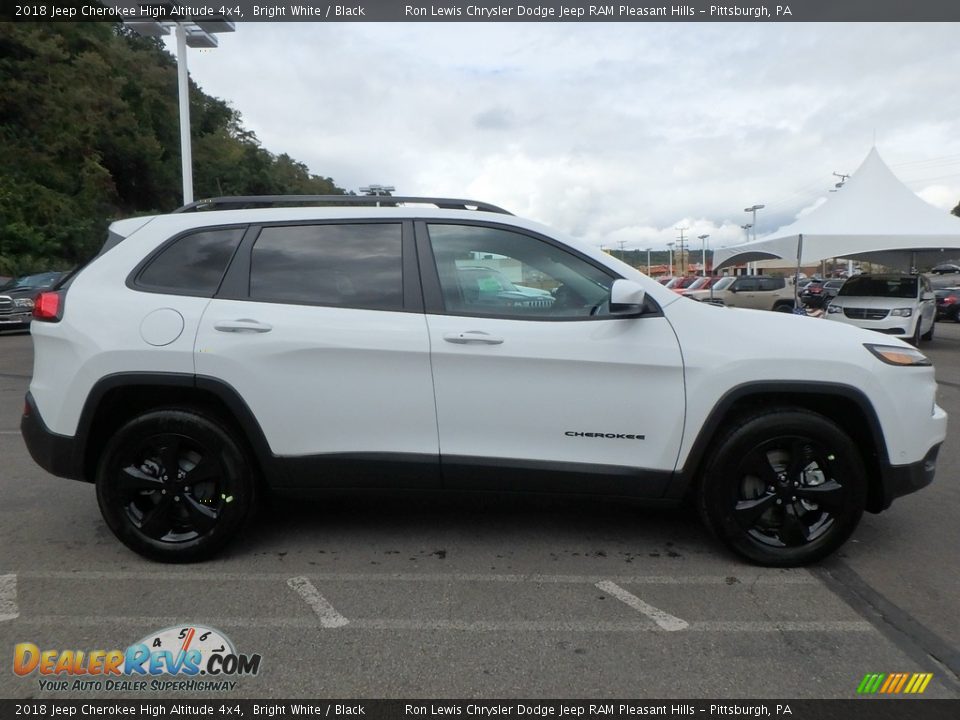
251	201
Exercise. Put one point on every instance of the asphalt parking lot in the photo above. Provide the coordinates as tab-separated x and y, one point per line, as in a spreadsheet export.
491	597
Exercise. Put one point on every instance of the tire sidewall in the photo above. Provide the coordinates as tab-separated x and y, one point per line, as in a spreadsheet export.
213	438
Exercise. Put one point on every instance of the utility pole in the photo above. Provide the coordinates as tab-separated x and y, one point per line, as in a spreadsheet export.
648	262
670	249
681	239
703	262
621	243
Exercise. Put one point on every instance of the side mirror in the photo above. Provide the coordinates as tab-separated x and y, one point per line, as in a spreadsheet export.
929	296
732	288
626	297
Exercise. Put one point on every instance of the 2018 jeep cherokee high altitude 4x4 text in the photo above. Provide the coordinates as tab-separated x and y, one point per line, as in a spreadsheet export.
302	348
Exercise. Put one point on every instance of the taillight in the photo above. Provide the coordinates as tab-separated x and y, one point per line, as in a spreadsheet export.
48	306
950	300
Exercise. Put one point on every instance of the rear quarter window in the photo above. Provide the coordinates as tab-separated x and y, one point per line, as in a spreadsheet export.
192	264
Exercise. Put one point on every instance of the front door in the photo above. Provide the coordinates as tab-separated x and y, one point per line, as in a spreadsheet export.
537	385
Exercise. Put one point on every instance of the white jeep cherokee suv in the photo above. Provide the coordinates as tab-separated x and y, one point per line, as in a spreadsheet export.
316	347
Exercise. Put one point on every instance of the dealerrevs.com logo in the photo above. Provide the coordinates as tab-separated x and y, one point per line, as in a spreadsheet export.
188	657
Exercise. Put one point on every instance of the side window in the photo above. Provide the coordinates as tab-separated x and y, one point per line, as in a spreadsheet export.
771	283
745	284
192	265
489	271
349	265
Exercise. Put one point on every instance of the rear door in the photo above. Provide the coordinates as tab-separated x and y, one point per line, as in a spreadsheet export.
320	329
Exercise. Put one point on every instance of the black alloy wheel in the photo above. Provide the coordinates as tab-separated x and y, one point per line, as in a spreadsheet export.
173	485
784	488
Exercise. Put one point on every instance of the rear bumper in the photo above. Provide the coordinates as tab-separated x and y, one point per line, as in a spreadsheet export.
57	454
899	480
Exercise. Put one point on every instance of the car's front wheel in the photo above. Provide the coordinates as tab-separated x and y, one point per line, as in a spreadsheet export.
784	487
175	485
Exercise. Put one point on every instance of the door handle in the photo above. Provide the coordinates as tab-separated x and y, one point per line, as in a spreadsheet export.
243	325
473	336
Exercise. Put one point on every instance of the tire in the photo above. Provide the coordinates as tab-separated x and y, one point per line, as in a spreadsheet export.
175	486
928	335
784	308
915	340
783	488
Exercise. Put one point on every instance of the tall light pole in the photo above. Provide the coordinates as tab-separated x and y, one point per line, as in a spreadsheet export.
670	248
648	261
195	34
703	239
753	209
746	230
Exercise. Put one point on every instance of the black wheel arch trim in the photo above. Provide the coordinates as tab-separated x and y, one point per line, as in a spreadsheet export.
66	456
882	494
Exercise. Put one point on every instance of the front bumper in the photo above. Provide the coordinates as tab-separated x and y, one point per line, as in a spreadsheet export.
16	318
57	454
899	480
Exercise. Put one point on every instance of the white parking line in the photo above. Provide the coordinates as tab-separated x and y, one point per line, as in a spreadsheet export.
590	626
8	598
329	617
663	619
9	432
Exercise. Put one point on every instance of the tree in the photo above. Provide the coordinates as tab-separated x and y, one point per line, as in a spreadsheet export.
89	125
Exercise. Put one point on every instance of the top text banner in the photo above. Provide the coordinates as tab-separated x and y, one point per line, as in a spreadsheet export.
487	11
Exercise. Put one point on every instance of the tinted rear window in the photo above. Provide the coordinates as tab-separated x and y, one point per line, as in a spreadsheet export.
193	264
349	265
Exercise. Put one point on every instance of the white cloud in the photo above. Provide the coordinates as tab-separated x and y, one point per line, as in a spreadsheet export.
604	131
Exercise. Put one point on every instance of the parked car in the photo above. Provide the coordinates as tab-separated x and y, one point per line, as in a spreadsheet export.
684	283
714	293
948	303
818	293
759	292
701	283
17	297
302	349
900	305
945	269
489	286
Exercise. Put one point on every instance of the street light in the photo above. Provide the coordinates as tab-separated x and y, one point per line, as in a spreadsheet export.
670	248
753	209
195	34
703	239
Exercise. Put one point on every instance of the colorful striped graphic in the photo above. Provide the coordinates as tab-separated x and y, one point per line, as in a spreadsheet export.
894	683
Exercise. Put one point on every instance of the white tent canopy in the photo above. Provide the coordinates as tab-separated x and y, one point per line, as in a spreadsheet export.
872	217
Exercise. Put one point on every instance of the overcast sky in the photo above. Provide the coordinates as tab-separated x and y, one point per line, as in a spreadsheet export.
608	132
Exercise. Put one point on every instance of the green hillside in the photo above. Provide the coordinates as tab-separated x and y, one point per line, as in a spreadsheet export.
89	132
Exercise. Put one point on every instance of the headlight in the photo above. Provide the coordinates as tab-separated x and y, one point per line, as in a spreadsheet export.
894	355
23	302
901	312
831	309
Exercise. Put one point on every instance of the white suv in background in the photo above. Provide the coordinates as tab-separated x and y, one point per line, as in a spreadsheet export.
903	306
253	347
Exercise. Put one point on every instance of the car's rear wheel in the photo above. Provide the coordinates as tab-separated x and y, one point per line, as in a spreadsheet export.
174	485
784	487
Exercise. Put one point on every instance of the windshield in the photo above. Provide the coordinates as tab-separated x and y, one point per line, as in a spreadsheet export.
40	280
886	287
724	283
